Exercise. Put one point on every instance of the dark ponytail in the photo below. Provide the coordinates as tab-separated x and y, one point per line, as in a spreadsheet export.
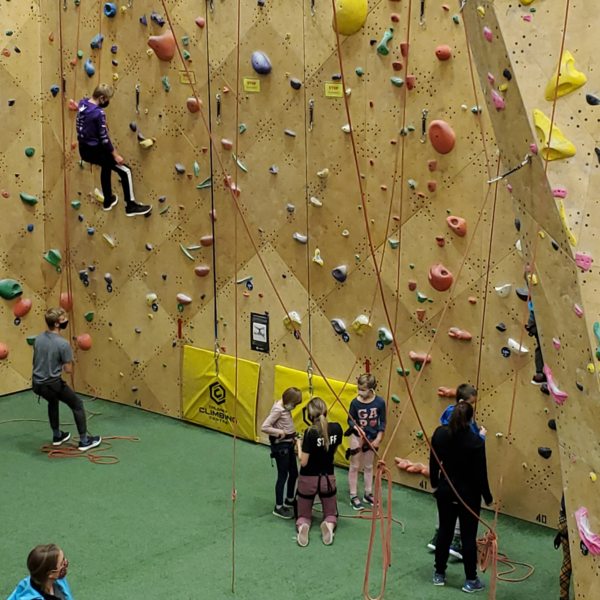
461	418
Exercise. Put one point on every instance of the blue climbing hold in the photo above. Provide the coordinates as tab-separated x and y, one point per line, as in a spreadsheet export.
91	231
30	227
144	20
55	89
110	10
261	63
157	18
96	43
113	49
89	68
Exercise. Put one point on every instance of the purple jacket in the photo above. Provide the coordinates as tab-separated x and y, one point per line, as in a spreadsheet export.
91	126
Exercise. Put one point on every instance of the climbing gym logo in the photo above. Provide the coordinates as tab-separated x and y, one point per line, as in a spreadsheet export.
218	396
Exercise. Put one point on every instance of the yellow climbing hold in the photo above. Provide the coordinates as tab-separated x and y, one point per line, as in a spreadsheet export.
569	80
361	324
481	11
99	196
592	476
526	2
559	147
317	257
563	218
591	368
351	15
146	143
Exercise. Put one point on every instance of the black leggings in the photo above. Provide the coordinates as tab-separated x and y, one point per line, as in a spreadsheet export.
97	155
59	391
450	509
287	470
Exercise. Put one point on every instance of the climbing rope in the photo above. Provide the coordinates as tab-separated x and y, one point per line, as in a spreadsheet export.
93	455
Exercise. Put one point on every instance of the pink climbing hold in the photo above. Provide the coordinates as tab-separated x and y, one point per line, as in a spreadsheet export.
206	240
419	357
487	32
498	100
163	45
442	136
432	165
509	187
200	22
558	395
527	18
5	194
559	193
84	341
227	144
533	148
440	278
556	343
193	105
491	78
3	351
459	334
183	299
443	52
578	310
588	537
583	261
458	225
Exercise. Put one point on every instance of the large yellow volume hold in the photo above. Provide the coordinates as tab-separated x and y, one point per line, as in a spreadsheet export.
559	146
351	15
568	81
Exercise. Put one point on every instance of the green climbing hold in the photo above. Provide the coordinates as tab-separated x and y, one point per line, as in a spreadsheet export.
393	243
359	72
205	184
411	128
241	128
412	184
81	164
166	84
165	210
89	317
419	434
418	366
80	54
31	339
402	373
411	266
9	289
456	19
421	298
54	258
239	164
382	47
31	200
185	40
397	81
29	152
395	398
196	168
597	334
76	204
186	55
187	254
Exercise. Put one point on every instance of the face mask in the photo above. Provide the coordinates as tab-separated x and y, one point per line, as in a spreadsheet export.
104	104
363	393
289	407
63	325
63	572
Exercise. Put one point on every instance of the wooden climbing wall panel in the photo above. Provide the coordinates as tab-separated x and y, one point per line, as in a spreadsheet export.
136	354
528	40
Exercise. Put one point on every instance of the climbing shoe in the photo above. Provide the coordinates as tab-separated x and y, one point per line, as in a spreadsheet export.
63	437
327	531
544	389
473	585
439	579
356	503
433	543
91	442
456	547
284	512
538	379
136	210
368	498
108	204
303	535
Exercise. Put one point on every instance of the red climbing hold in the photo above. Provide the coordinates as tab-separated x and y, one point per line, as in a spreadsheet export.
22	307
397	65
412	286
410	82
458	225
3	351
84	341
431	186
193	105
395	18
441	136
420	313
432	165
206	240
163	45
440	278
441	241
404	49
66	301
443	52
200	22
202	271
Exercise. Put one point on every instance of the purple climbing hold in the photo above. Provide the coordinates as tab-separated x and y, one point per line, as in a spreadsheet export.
340	273
96	43
113	49
261	63
157	18
295	83
55	89
162	199
144	20
89	68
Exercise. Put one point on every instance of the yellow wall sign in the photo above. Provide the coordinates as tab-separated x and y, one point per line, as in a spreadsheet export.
285	378
185	79
209	400
251	85
334	90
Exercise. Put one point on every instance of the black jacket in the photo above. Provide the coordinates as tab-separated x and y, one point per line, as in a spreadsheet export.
464	461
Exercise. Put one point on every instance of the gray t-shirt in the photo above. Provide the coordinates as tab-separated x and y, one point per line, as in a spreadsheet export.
50	353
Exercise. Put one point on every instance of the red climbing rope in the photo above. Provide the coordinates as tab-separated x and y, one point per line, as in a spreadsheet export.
92	455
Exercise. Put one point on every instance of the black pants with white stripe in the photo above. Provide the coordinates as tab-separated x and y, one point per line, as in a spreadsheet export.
97	155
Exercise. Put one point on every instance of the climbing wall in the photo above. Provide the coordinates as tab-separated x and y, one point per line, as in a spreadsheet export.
298	173
557	209
22	236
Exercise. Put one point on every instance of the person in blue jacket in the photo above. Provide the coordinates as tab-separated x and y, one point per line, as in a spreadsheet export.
47	567
464	393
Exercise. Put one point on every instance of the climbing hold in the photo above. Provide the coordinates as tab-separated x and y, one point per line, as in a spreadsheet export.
421	298
261	63
447	392
419	357
443	52
568	81
163	45
563	217
197	171
597	334
10	289
323	174
289	132
592	100
420	314
54	258
340	273
29	152
481	11
559	147
504	290
193	105
202	271
410	82
227	144
96	43
66	301
273	169
295	83
292	321
300	238
440	278
350	16
441	136
498	100
516	348
157	19
200	22
31	200
89	317
183	299
339	326
84	342
393	243
317	257
361	324
3	351
397	81
22	307
559	193
179	168
558	395
113	49
397	65
459	334
544	452
89	67
290	208
385	336
431	186
166	84
346	128
458	225
395	398
206	240
359	72
487	32
552	424
432	165
583	261
382	46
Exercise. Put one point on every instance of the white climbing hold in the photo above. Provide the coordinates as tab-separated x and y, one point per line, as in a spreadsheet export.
323	174
361	324
151	299
338	325
300	238
519	248
345	233
503	290
316	202
110	241
346	128
515	348
292	321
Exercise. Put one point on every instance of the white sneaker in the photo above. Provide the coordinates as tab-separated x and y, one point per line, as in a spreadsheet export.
327	531
303	535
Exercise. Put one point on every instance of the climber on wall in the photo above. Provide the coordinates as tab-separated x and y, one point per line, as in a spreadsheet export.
96	148
539	378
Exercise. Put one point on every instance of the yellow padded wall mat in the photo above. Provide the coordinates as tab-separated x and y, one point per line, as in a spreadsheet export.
285	378
209	399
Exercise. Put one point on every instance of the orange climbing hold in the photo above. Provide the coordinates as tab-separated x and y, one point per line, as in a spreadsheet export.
440	278
419	357
3	351
443	52
441	136
163	45
84	341
66	301
447	392
193	105
459	334
22	307
458	225
420	313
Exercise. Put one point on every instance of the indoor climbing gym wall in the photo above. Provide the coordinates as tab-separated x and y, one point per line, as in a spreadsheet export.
550	117
316	214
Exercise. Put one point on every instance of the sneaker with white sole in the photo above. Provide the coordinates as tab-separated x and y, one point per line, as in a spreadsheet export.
473	585
356	503
539	379
91	442
456	547
137	210
303	535
368	498
113	200
327	531
439	579
61	439
433	543
284	512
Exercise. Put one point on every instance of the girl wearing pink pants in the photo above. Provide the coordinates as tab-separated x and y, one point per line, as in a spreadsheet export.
316	451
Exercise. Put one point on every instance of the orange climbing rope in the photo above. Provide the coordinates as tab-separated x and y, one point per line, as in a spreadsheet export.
92	455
